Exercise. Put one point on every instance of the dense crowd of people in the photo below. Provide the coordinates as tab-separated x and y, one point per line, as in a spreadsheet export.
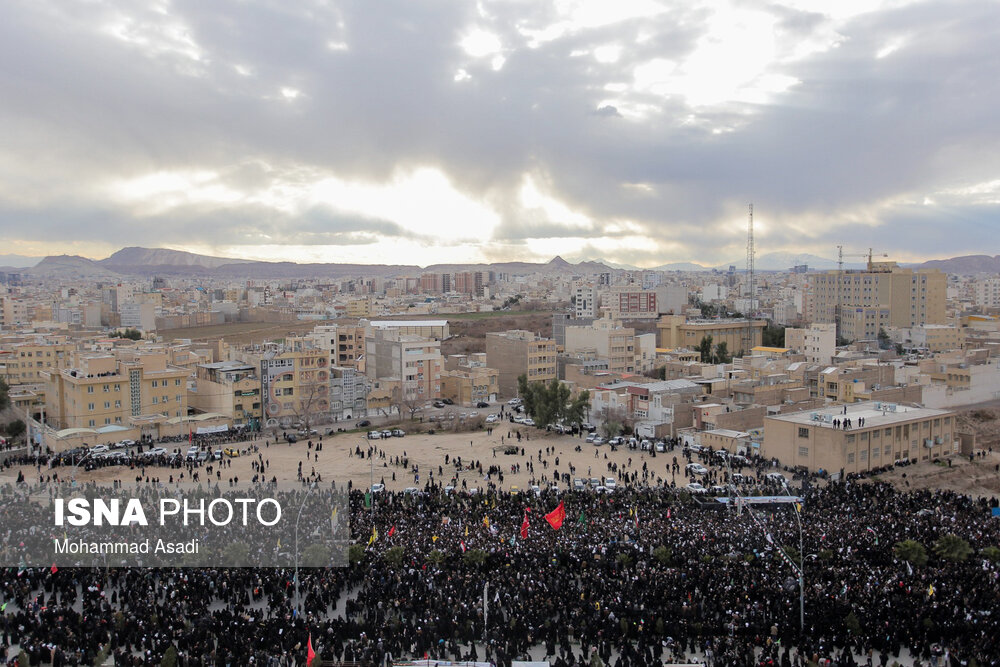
629	579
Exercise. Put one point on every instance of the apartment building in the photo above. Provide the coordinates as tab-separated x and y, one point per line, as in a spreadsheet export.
101	389
884	295
416	362
344	344
677	331
349	390
294	381
986	293
469	385
229	388
608	339
433	329
586	301
818	342
518	352
24	359
890	432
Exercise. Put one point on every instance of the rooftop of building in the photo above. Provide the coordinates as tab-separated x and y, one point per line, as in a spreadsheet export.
875	413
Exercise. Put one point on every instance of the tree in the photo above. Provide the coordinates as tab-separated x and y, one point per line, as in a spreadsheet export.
884	342
355	553
662	554
773	336
435	557
611	428
577	411
991	554
4	396
953	548
722	355
394	556
131	334
311	400
475	557
705	349
911	551
315	555
169	657
547	403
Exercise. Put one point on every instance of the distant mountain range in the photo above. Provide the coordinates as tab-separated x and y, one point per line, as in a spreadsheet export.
136	261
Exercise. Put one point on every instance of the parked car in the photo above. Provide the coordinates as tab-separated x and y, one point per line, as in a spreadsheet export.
528	421
447	401
696	469
99	449
617	440
482	404
231	452
610	483
217	455
364	423
591	437
595	482
438	404
661	447
578	484
387	433
192	454
695	487
514	401
492	419
374	435
398	433
598	440
378	488
157	451
203	456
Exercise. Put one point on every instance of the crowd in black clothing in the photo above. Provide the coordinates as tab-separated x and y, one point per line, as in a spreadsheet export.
600	587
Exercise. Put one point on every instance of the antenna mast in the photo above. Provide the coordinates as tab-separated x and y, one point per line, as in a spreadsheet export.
748	335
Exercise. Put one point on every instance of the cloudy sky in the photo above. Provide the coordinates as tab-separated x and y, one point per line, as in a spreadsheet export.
419	131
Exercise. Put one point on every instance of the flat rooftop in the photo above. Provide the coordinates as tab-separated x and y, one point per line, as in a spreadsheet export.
881	416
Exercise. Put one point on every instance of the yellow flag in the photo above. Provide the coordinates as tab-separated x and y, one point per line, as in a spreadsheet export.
333	515
374	536
798	507
630	511
486	521
279	542
466	531
930	590
434	538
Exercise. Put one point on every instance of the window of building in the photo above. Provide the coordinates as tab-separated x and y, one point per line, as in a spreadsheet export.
107	404
156	399
850	457
90	406
118	404
91	423
90	389
875	452
850	439
803	451
803	432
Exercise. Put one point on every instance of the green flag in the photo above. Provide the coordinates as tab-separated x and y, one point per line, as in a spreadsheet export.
368	498
582	519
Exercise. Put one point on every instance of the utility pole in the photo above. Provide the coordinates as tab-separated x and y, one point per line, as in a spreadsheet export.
748	335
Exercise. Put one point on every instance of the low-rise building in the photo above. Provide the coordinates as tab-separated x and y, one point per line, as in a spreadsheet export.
879	434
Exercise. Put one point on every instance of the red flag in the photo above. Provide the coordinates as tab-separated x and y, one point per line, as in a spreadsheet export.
462	544
524	527
668	512
556	516
53	569
392	531
310	653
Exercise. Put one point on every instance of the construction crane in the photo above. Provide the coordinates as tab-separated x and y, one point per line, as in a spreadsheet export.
840	281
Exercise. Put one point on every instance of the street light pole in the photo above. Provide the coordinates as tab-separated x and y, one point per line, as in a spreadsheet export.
77	465
802	569
312	487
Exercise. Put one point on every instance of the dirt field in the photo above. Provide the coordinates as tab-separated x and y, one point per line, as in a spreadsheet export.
338	462
978	478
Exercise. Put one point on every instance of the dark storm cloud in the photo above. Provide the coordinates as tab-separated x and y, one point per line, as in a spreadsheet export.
199	86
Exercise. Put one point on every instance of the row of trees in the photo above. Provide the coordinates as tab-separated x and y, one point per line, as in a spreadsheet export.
549	403
949	547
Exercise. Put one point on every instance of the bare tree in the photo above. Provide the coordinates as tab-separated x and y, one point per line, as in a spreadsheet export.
313	400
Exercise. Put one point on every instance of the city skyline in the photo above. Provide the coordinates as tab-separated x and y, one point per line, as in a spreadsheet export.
490	132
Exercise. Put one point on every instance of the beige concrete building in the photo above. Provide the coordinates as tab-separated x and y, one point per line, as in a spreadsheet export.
883	296
469	385
890	432
678	331
518	352
818	342
100	389
24	359
413	360
936	337
433	329
608	339
229	388
344	343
